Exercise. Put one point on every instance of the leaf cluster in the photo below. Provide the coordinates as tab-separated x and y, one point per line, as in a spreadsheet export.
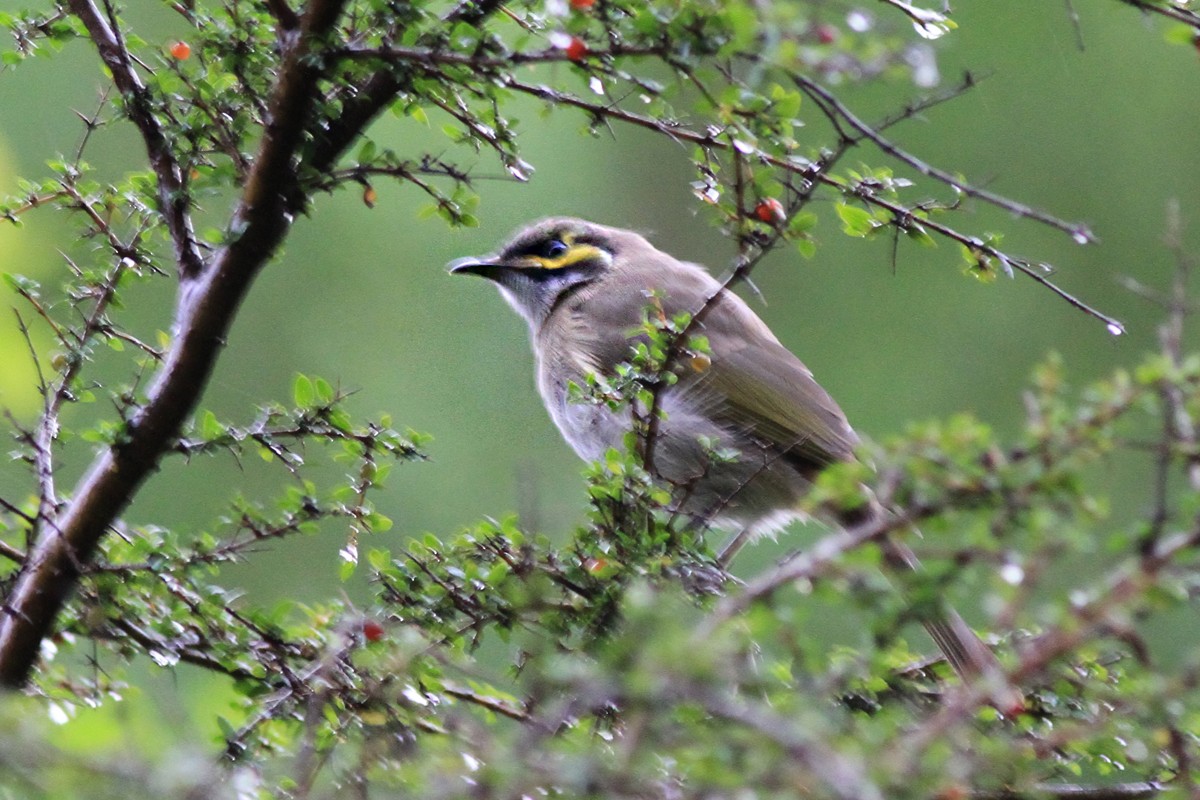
500	662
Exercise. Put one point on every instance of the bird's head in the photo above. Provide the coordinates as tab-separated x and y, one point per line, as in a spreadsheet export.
544	263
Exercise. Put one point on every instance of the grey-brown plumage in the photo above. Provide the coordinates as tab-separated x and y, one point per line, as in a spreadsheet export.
584	290
752	394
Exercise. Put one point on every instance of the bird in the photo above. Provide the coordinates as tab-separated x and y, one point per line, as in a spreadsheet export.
584	289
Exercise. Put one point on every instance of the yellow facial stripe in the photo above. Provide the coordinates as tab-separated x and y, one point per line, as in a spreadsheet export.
575	254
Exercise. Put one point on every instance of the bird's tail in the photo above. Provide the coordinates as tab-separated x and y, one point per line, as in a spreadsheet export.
973	660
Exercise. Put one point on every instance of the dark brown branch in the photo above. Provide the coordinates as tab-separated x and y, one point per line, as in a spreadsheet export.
15	511
11	553
287	18
188	655
836	109
490	703
427	56
1167	10
172	187
377	93
205	311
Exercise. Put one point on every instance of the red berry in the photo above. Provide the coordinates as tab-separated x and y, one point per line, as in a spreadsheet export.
181	50
826	34
770	210
372	631
577	50
595	565
582	5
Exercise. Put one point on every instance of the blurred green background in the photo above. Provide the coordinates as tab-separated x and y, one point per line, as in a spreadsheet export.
1106	135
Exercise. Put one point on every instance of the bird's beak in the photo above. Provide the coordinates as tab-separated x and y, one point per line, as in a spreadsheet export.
490	266
473	265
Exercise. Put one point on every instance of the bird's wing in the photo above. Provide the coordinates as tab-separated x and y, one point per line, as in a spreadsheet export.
752	385
757	386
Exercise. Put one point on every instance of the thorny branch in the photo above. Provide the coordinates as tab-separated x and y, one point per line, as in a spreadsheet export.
1170	10
837	112
211	290
172	187
901	214
208	301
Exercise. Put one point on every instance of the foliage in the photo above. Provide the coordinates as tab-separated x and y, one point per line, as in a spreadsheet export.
501	662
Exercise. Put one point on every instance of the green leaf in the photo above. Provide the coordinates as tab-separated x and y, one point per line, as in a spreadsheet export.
379	558
303	393
806	247
855	221
802	222
918	235
378	522
1180	34
210	426
324	391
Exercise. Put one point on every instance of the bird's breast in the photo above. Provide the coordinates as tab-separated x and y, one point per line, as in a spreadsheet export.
589	427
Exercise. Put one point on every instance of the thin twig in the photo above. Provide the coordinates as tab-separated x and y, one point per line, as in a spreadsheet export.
1168	10
839	110
677	131
430	57
173	197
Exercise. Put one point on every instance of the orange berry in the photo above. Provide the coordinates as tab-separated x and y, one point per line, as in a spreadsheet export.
577	50
770	210
582	5
181	50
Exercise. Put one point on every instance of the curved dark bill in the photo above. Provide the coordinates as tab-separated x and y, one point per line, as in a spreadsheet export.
470	265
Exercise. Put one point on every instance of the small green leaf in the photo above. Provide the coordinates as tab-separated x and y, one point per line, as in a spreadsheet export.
379	522
802	222
303	392
324	391
210	426
855	221
1180	34
379	558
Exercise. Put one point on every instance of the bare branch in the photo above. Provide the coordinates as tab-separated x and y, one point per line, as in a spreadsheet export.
377	92
1168	10
431	57
1078	232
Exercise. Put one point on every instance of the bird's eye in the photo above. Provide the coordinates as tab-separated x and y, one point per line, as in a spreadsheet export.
554	249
